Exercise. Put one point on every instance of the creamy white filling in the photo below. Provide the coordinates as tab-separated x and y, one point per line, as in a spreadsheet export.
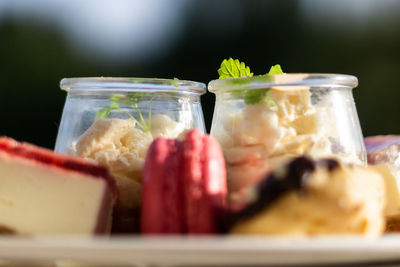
261	134
40	199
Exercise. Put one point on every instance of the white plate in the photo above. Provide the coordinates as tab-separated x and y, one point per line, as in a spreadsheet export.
202	251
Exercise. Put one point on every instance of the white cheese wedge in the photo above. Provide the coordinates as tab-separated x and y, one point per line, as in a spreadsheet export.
39	198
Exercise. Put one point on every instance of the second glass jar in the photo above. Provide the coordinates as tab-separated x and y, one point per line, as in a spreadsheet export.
263	121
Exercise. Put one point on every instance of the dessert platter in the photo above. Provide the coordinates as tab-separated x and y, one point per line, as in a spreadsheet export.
201	251
285	176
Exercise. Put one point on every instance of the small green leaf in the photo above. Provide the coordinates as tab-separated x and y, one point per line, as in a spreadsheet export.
276	69
114	105
254	96
233	68
267	99
175	82
115	98
105	112
135	98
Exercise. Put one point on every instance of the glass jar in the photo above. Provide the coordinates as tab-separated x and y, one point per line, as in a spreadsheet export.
148	103
263	121
114	120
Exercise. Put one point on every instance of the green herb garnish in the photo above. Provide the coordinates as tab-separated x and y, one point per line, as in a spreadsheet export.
233	68
104	112
132	100
276	69
175	82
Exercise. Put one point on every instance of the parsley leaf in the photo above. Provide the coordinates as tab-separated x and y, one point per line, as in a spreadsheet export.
234	68
231	68
276	69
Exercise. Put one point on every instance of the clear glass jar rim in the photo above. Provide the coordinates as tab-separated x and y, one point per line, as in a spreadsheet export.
290	80
132	84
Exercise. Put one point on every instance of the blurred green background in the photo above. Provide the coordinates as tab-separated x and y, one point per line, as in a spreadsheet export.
42	41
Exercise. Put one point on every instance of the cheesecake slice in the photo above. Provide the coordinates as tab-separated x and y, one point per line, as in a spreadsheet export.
42	192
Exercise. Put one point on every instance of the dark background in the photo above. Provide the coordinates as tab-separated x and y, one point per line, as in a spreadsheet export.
43	41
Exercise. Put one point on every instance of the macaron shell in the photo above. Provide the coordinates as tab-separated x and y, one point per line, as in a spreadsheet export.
196	203
173	221
214	172
204	182
214	175
161	200
184	186
152	186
